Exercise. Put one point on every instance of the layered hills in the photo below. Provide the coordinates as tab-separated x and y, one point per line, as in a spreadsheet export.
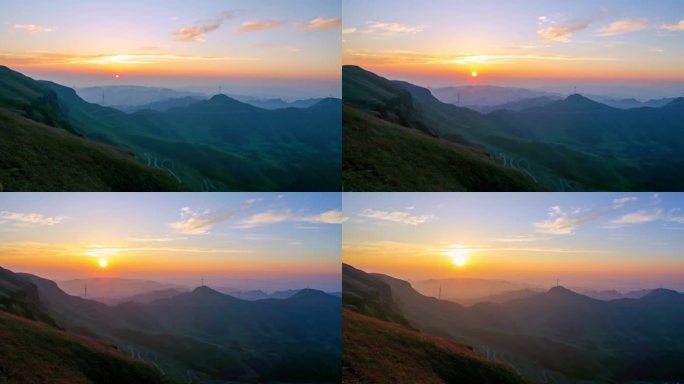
559	335
207	145
390	145
205	336
55	356
569	144
380	346
42	150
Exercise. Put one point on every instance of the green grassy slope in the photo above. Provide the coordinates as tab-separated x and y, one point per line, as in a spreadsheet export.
38	157
376	351
221	143
382	156
33	352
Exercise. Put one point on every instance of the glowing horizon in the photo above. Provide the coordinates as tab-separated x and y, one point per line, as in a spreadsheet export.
289	239
235	39
543	44
598	240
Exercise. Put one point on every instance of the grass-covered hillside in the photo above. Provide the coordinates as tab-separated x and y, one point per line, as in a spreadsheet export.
42	150
383	156
33	352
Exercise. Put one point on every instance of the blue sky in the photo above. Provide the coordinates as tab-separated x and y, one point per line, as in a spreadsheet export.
283	240
606	240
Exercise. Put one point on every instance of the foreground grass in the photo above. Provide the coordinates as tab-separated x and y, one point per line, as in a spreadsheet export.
33	352
376	351
381	156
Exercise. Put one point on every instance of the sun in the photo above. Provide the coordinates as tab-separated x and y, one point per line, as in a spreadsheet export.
460	260
473	74
103	263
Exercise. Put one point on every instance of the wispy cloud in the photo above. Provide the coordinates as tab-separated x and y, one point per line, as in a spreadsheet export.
561	32
674	27
198	32
32	27
200	222
269	217
329	217
396	216
412	57
273	217
30	218
623	26
386	29
622	201
561	222
258	25
321	23
34	58
639	217
507	59
101	250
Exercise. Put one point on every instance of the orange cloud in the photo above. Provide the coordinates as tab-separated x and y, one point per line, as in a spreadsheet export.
675	27
198	32
623	26
322	23
258	25
32	28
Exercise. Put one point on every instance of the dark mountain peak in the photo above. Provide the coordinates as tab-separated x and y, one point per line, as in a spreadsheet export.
576	98
308	293
221	102
328	102
662	293
676	103
206	291
221	98
574	103
562	291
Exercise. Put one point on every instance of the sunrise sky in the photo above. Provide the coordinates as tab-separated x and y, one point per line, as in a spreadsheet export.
282	240
630	48
593	240
293	44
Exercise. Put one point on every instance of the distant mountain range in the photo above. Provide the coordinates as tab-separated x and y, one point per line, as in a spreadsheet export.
211	145
110	288
380	346
133	98
390	144
132	95
487	98
203	336
573	144
486	95
465	290
35	350
556	336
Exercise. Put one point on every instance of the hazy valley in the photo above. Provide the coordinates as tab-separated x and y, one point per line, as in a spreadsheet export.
520	139
199	336
552	336
212	143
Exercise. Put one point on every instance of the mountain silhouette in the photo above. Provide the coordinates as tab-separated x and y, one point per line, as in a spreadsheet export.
380	345
389	138
55	355
562	332
210	145
212	335
574	144
43	150
575	103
